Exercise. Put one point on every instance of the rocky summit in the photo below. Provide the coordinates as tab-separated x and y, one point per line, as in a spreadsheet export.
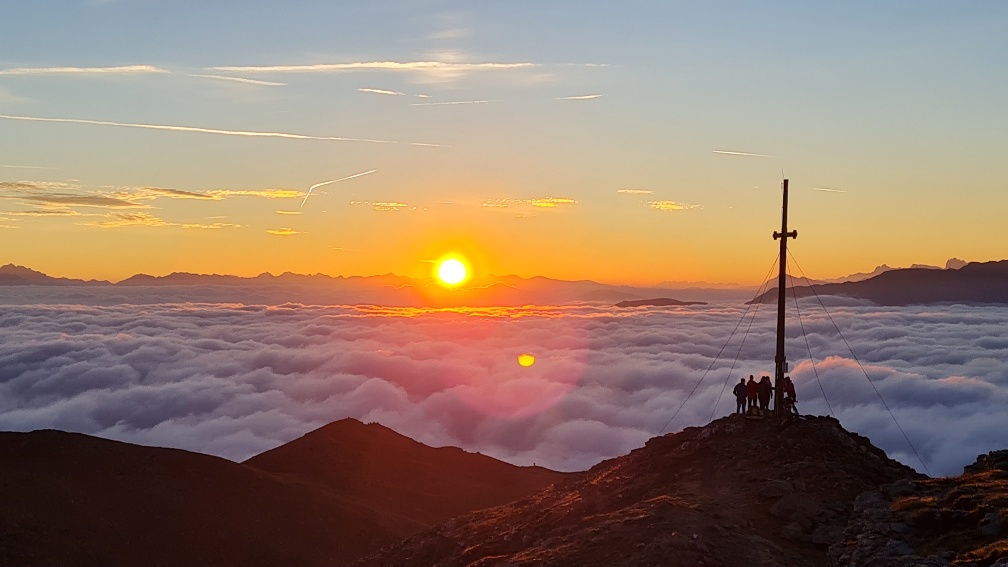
934	522
735	492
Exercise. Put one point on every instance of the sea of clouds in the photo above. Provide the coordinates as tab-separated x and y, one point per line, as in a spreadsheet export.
234	380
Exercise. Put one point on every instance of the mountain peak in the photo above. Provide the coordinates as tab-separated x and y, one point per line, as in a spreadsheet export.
372	462
14	269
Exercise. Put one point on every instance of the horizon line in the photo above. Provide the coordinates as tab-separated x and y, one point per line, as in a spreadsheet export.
663	284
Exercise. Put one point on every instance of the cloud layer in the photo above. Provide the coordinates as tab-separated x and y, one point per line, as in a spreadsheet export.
234	379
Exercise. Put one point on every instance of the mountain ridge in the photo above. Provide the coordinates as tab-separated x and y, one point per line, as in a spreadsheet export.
975	282
86	500
404	477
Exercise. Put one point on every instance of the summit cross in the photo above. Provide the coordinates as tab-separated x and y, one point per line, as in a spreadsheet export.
779	360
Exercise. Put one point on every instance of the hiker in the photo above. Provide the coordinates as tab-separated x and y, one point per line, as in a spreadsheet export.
740	396
790	397
751	392
764	393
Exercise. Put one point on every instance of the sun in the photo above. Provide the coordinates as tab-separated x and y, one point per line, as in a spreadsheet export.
452	272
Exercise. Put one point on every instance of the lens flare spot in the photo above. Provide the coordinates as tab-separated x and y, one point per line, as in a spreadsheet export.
452	271
526	359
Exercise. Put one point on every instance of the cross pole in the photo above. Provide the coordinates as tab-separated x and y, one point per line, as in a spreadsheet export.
779	360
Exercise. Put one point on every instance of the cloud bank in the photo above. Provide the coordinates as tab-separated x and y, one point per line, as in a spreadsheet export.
233	379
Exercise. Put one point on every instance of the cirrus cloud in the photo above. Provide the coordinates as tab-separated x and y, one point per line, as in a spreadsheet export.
401	66
671	206
283	231
118	70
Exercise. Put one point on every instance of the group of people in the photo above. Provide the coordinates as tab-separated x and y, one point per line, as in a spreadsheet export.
749	394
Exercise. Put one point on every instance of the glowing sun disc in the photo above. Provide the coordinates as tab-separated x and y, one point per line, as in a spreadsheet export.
452	271
526	359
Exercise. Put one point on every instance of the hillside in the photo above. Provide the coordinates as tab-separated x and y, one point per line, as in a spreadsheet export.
736	492
932	522
72	499
398	475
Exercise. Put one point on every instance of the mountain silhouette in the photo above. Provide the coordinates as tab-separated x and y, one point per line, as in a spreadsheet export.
385	289
971	283
73	499
20	275
399	475
976	282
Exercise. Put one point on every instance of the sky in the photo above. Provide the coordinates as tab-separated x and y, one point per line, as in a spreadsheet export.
575	140
236	379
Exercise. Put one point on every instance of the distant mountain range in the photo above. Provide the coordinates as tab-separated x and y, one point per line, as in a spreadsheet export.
388	289
19	275
976	282
350	493
957	282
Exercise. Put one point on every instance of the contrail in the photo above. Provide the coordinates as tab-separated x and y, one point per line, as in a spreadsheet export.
580	97
728	153
308	194
829	190
453	102
241	80
194	129
382	92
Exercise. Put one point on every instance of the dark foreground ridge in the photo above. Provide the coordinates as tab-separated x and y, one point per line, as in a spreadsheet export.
73	499
736	492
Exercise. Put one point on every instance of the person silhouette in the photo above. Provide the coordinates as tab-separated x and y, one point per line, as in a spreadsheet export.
764	392
790	396
740	396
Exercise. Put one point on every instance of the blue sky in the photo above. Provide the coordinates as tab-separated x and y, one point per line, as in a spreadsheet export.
888	119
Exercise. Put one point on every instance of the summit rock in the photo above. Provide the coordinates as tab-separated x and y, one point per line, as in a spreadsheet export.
735	492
